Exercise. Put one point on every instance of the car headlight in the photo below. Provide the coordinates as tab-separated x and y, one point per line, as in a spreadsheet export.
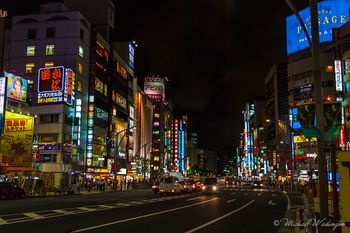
215	188
255	185
203	187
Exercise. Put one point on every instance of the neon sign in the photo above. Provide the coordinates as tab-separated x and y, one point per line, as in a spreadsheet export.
338	75
2	102
56	85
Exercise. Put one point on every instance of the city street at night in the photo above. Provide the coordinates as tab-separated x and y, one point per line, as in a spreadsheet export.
175	116
233	210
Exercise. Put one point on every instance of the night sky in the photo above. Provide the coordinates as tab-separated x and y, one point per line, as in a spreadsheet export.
215	53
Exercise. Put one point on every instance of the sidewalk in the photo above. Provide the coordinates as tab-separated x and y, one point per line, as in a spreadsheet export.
299	212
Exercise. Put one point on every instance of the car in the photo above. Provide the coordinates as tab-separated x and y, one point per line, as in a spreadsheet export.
257	184
11	190
184	187
210	185
169	184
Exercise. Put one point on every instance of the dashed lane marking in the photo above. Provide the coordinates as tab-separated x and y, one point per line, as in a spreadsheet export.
229	201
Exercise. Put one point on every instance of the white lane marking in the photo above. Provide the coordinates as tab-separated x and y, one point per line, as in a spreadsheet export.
61	211
193	198
274	195
86	209
271	203
233	193
34	215
245	194
109	206
259	194
2	221
288	206
218	219
136	202
232	200
142	216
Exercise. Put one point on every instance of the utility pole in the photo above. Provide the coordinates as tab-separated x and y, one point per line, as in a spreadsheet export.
321	157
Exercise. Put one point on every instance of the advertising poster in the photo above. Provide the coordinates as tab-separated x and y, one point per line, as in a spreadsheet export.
17	142
306	115
332	115
16	87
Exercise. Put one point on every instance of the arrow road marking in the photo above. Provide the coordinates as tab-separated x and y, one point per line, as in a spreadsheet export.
232	200
271	203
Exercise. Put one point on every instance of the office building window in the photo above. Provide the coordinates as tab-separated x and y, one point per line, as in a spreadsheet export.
81	51
50	49
81	34
31	34
50	32
29	68
31	50
49	118
80	68
79	88
48	64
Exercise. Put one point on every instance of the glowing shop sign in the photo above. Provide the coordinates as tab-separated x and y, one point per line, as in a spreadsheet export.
338	75
56	85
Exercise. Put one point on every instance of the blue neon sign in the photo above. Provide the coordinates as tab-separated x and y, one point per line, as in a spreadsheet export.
332	14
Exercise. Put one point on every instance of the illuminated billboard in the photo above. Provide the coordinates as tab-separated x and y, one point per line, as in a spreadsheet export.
16	145
16	87
332	14
154	87
56	85
2	102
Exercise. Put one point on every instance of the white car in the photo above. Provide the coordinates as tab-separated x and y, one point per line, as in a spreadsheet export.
170	185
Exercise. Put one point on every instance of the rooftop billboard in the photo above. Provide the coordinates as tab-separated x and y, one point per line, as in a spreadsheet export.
331	14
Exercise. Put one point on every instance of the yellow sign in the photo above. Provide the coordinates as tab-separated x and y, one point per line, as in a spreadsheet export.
344	172
17	142
298	139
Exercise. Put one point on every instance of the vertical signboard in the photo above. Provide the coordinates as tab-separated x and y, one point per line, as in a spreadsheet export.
2	103
338	76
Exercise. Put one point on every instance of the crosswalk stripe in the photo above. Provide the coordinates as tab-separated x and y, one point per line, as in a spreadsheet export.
34	215
2	221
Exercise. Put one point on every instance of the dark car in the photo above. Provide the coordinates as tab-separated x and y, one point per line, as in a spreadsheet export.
11	190
210	185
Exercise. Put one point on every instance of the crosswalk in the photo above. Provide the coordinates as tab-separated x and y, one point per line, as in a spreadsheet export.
44	214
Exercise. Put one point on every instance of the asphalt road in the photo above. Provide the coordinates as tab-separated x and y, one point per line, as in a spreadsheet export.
236	210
